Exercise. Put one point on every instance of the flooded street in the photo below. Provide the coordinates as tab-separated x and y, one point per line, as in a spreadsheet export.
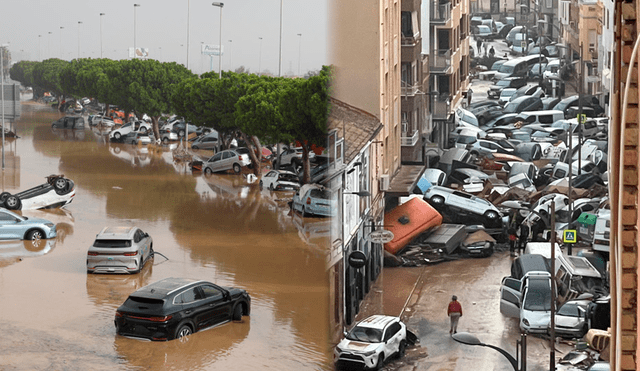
55	316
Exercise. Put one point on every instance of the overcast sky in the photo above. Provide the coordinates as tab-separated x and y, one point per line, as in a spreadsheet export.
161	26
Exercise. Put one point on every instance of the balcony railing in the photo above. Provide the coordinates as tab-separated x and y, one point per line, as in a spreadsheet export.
440	109
440	60
409	139
409	90
440	11
408	41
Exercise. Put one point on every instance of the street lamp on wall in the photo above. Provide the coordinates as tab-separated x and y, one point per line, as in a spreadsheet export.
469	339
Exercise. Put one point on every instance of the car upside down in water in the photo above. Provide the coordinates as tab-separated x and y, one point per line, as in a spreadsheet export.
58	191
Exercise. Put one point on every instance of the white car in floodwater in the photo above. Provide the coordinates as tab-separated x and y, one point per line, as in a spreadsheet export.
58	191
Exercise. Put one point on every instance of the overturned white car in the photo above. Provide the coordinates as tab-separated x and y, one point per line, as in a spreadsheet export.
58	191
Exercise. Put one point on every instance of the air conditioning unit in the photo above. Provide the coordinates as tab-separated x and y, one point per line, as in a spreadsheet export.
384	182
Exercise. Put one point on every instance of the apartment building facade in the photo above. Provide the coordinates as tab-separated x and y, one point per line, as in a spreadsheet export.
448	63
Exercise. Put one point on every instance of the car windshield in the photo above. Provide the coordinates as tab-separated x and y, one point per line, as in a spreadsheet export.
505	68
496	65
503	83
507	93
112	243
511	107
570	310
538	296
466	139
288	177
536	67
366	334
320	193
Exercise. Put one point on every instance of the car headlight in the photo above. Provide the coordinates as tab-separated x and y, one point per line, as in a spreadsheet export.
50	225
526	322
369	353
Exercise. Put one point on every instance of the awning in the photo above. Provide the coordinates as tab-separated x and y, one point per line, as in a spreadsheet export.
405	180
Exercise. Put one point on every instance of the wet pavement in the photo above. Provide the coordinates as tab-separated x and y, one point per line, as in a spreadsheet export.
219	228
420	295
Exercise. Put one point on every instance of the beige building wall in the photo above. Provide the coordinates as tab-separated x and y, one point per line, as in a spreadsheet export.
589	26
365	52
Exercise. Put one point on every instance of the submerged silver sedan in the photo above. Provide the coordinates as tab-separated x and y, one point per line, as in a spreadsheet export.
18	227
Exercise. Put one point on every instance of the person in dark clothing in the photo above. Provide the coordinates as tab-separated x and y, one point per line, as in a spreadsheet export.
524	236
492	52
479	46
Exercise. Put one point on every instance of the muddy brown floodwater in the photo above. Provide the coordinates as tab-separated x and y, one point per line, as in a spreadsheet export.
55	316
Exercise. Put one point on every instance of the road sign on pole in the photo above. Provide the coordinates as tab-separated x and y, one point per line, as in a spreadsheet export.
569	236
380	236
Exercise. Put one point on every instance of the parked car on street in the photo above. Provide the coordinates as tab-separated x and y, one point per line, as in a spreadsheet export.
58	191
280	180
139	137
119	250
226	160
571	320
508	82
69	122
588	101
18	227
524	103
125	129
174	308
208	141
528	299
293	156
314	199
370	342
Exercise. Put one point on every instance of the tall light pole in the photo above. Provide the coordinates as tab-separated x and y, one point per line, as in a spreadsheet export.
61	55
2	96
39	38
230	55
260	58
79	23
49	45
299	49
188	12
101	14
280	48
134	29
219	5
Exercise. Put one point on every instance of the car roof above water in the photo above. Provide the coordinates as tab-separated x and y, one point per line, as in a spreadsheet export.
116	233
378	321
162	288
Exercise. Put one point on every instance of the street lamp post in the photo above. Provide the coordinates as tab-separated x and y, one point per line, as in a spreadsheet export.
39	38
260	58
219	5
188	16
134	29
61	55
469	339
79	23
49	45
230	56
101	14
2	96
280	48
299	51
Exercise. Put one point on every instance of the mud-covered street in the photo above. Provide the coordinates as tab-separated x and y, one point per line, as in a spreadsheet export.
55	316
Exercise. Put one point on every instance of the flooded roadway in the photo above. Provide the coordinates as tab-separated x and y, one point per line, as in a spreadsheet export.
55	316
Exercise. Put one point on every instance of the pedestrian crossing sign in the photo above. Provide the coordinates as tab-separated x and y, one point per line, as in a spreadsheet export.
569	236
582	118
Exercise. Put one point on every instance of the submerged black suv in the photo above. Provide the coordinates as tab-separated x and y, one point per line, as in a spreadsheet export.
177	307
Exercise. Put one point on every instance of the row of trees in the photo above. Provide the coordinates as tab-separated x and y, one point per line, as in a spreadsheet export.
256	109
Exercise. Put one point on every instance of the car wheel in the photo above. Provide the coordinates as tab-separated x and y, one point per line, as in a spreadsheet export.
181	133
491	215
237	168
117	135
437	200
261	184
13	203
60	184
304	212
237	312
208	171
3	196
35	235
380	362
402	349
195	147
183	331
165	140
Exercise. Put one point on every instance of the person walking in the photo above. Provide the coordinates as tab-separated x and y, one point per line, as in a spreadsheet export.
479	46
454	311
492	52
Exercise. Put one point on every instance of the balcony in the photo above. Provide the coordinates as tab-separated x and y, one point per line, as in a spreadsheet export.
409	90
408	41
440	61
440	109
409	139
440	12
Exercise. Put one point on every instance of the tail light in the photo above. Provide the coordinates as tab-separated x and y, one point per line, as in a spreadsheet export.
160	319
239	158
131	253
119	314
92	253
308	200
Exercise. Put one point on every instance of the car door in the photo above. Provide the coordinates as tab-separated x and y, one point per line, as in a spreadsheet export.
191	307
217	303
227	160
269	178
392	338
145	244
10	227
510	297
214	162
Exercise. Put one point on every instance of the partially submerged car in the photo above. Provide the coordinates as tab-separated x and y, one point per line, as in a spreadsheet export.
18	227
314	199
226	160
69	122
119	250
371	342
58	191
280	180
177	307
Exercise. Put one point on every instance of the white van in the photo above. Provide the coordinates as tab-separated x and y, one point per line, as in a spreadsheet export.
542	248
